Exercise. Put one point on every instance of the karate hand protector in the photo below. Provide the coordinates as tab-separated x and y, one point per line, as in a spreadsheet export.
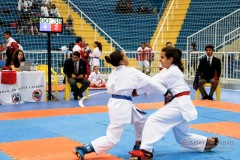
168	96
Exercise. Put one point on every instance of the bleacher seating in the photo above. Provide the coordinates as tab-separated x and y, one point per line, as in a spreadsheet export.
10	15
128	30
202	13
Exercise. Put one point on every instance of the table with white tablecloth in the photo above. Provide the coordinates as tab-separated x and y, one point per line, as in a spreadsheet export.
30	86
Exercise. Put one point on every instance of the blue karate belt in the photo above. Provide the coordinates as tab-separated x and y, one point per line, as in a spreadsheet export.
126	98
96	57
142	112
121	97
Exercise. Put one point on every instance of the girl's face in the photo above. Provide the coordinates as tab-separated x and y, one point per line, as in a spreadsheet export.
95	70
166	63
94	45
20	56
124	61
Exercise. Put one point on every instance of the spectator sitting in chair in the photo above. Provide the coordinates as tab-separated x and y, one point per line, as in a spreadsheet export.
120	7
69	25
32	28
54	12
129	8
75	69
48	2
22	28
209	71
24	5
44	10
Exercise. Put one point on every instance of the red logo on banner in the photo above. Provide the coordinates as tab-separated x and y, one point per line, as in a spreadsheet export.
16	97
37	95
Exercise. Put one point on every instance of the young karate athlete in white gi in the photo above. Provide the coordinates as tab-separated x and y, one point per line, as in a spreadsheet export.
121	83
174	115
95	78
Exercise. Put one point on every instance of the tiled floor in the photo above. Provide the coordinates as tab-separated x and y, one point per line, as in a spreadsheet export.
49	131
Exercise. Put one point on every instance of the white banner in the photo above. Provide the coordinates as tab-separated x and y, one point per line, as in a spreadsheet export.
30	87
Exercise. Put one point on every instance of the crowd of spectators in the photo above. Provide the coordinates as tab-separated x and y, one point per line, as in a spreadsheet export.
126	6
27	24
29	11
69	25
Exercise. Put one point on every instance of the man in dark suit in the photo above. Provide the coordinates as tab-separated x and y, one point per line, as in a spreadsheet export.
75	69
209	71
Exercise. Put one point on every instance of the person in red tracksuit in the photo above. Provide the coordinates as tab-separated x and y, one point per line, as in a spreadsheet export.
85	51
141	57
12	45
150	55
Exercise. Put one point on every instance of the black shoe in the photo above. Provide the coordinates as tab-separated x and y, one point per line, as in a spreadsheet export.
75	98
210	98
74	94
80	95
206	97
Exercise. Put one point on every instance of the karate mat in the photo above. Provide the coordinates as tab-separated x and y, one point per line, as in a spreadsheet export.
49	131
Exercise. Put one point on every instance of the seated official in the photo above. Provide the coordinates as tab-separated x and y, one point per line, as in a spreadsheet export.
18	56
209	71
75	69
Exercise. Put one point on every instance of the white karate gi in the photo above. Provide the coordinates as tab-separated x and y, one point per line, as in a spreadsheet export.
122	81
174	115
95	79
95	55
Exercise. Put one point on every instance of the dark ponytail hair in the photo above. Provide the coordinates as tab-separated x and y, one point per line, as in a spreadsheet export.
176	54
99	45
114	58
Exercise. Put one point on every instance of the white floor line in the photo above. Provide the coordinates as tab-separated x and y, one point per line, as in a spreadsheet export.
81	100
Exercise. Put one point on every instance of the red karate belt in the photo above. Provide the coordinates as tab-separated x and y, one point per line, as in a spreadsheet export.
177	95
182	94
9	77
